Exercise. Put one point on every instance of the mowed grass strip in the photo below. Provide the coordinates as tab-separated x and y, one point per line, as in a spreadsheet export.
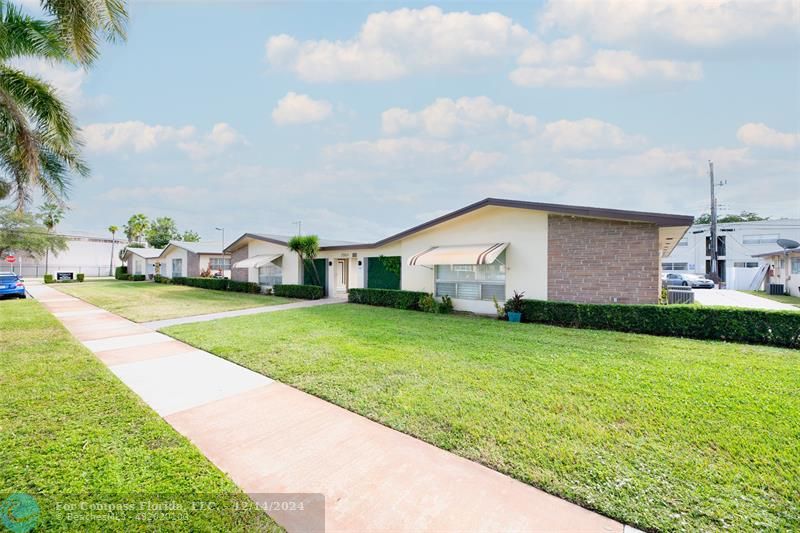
657	432
70	432
143	301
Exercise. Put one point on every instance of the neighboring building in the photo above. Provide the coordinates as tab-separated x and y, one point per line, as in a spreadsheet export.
142	260
488	250
88	253
738	244
783	268
189	259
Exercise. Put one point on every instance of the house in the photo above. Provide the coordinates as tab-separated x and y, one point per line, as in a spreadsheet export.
739	246
179	259
486	251
141	260
783	268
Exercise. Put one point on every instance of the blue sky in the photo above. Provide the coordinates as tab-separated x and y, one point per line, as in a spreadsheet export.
362	119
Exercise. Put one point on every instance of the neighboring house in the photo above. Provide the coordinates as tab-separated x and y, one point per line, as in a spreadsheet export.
488	250
87	253
141	260
783	268
739	244
189	259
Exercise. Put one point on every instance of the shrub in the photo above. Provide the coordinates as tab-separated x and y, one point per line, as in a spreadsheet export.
446	305
217	284
778	328
48	278
124	277
387	298
158	278
138	277
244	286
427	304
119	271
306	292
80	277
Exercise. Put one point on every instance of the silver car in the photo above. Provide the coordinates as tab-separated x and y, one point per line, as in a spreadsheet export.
688	280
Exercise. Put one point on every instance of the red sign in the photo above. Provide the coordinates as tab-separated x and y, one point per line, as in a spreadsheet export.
10	258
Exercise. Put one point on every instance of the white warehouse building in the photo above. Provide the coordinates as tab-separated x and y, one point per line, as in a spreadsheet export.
87	253
738	244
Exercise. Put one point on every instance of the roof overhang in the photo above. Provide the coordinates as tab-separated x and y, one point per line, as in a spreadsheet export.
469	254
256	261
668	238
241	241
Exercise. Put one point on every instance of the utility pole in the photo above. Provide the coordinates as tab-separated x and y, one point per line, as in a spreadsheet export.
299	226
713	251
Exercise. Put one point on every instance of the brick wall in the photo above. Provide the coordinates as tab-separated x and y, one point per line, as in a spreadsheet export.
595	261
239	274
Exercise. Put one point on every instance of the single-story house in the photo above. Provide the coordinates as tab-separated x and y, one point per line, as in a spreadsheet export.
189	259
485	251
141	260
783	268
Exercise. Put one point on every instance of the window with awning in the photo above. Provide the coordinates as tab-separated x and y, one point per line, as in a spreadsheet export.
469	254
256	261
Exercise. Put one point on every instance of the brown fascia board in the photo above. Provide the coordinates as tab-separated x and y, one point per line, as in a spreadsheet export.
235	244
659	219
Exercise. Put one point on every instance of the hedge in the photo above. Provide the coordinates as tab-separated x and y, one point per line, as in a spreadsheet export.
218	284
386	298
48	278
755	326
305	292
138	277
124	277
81	277
120	271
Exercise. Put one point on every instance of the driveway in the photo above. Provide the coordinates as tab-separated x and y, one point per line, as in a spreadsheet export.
731	298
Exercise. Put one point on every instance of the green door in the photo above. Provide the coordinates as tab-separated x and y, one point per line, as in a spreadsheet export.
310	279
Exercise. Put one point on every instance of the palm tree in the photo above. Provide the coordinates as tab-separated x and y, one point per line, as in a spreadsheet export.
113	230
307	247
51	215
39	146
136	227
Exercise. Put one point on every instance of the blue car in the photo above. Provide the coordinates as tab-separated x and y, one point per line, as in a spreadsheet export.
11	285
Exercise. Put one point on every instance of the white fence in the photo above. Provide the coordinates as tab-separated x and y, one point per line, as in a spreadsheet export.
37	271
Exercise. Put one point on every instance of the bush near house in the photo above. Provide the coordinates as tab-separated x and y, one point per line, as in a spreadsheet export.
387	298
48	278
244	286
218	284
81	277
305	292
138	277
777	328
158	278
124	277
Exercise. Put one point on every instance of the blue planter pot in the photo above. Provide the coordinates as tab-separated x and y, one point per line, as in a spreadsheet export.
514	317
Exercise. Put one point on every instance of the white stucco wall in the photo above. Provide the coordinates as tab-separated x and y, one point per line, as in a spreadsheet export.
289	263
166	261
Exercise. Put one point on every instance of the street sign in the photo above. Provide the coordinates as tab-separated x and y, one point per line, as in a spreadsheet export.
10	258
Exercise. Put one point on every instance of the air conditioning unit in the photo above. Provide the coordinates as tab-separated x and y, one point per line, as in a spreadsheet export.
776	288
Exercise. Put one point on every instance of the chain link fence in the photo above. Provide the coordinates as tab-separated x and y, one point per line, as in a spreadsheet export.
38	271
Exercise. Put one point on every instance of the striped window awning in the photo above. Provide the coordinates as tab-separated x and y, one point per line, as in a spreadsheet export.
256	261
465	254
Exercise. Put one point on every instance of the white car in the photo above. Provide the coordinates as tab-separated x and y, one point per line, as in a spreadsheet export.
688	280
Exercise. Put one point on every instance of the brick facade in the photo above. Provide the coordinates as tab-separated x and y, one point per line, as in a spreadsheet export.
239	274
596	261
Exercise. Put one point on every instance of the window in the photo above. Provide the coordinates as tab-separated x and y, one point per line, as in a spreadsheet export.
219	263
270	275
795	265
760	239
748	264
177	268
472	282
675	266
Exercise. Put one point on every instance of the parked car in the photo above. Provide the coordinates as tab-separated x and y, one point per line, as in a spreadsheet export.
11	285
688	280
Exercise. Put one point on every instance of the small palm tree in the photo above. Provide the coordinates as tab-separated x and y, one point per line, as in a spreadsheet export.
307	247
113	230
51	215
136	227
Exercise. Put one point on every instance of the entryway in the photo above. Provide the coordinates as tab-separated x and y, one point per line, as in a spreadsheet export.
342	275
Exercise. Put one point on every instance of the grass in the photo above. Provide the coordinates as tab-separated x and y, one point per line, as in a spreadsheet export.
657	432
783	298
142	301
70	431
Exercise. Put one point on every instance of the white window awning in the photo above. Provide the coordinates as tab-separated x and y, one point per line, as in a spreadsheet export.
469	254
255	261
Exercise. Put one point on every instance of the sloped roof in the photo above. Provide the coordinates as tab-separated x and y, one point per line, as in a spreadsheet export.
144	253
209	247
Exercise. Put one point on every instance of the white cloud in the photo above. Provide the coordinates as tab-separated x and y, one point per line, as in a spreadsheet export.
526	185
586	135
300	109
221	137
446	117
385	151
604	68
67	81
761	135
479	162
695	22
141	137
176	192
393	44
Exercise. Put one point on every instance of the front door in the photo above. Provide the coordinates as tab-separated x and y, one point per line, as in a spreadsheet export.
342	275
177	268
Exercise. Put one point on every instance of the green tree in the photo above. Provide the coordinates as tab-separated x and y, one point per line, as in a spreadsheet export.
307	247
113	231
39	145
51	215
22	232
136	227
161	231
744	216
190	236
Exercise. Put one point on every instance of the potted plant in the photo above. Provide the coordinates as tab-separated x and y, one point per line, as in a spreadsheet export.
514	307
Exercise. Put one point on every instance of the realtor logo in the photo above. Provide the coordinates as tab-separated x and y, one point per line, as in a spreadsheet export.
19	512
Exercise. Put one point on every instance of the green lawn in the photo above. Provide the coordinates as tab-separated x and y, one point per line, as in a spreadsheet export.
71	432
791	300
142	301
657	432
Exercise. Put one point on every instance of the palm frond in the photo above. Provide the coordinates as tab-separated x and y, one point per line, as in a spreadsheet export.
22	35
82	21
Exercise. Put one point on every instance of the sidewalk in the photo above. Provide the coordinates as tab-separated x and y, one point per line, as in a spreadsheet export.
271	438
732	298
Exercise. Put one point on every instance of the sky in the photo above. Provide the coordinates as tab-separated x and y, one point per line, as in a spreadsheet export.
362	119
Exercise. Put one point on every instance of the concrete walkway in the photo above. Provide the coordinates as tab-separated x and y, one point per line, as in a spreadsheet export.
271	438
731	298
158	324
